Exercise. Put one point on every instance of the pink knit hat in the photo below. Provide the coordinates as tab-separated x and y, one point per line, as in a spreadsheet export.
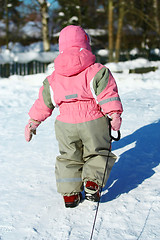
73	36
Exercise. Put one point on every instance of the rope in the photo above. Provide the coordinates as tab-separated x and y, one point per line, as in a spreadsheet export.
99	198
115	139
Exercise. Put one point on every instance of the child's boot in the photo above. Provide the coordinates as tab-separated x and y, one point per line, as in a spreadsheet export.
92	191
73	200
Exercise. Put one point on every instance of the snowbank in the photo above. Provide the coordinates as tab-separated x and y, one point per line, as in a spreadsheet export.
33	52
132	64
25	57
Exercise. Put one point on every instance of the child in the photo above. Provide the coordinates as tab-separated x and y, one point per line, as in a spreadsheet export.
86	94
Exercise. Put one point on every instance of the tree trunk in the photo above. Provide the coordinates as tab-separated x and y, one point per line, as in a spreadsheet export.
45	18
119	30
79	13
110	30
7	24
156	18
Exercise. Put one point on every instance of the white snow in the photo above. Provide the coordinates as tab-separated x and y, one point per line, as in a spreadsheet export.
25	57
91	32
31	208
73	19
22	54
103	52
32	29
132	64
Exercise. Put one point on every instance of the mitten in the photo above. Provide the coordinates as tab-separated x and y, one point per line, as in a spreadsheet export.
116	121
30	129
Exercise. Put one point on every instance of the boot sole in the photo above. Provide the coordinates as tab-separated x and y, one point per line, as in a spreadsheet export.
92	197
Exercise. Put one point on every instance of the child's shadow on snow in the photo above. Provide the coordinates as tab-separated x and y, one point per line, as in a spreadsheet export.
136	164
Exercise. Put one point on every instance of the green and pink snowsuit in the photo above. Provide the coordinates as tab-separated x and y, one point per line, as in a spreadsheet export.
85	93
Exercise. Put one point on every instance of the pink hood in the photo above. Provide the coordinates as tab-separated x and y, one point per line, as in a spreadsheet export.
75	52
73	36
73	61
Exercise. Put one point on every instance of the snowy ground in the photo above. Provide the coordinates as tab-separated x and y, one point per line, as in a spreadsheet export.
31	208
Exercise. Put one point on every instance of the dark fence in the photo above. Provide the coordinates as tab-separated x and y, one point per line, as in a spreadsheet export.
33	67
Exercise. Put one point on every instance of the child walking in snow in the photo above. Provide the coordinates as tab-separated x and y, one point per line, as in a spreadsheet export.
86	94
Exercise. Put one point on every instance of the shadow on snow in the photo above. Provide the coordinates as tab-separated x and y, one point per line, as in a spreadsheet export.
136	164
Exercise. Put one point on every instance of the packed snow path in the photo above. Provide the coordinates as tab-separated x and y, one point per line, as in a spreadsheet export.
31	208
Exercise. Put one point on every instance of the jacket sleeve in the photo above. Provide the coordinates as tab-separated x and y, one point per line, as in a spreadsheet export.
43	106
105	91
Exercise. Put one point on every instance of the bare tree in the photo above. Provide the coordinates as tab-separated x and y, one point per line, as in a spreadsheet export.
119	30
121	8
156	15
7	23
110	30
9	13
45	19
136	12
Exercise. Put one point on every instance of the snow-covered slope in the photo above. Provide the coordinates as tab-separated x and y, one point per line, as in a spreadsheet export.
31	208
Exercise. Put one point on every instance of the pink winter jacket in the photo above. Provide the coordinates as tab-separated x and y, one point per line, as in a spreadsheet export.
82	89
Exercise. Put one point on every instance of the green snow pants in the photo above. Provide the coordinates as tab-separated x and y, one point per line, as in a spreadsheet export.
84	149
